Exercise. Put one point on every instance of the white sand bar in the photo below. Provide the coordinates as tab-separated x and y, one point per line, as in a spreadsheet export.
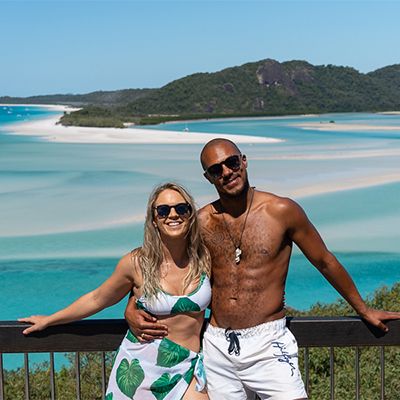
389	113
48	129
350	183
338	126
51	107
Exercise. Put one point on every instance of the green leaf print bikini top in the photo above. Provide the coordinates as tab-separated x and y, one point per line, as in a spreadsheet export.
167	304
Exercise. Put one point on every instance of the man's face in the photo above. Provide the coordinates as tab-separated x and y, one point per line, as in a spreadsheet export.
225	168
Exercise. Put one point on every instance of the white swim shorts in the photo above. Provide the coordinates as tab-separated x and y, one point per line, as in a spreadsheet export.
261	360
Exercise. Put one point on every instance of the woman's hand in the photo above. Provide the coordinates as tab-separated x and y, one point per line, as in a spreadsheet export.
39	322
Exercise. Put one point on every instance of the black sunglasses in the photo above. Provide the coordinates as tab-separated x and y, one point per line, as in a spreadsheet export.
215	170
181	209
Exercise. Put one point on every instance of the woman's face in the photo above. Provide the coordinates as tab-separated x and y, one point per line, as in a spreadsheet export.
172	222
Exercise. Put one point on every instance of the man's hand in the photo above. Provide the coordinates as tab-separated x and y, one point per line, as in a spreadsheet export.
376	317
143	325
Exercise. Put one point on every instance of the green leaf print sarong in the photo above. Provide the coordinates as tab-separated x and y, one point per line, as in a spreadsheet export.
158	370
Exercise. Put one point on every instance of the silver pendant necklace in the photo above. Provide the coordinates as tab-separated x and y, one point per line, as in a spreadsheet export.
238	250
238	253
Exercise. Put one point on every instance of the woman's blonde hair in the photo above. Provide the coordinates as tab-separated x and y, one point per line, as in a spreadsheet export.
151	252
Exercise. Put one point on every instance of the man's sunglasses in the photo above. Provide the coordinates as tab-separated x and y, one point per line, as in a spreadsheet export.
181	209
215	171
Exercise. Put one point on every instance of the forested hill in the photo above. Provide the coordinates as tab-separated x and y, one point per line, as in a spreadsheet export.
266	87
271	87
102	98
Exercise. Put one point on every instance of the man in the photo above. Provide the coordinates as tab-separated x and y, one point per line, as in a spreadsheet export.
247	348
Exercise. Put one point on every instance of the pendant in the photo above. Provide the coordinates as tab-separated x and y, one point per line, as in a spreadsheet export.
238	253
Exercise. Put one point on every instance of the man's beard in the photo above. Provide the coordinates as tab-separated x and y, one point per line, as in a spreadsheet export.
237	195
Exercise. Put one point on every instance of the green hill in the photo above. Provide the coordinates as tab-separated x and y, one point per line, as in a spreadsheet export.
104	98
265	87
269	87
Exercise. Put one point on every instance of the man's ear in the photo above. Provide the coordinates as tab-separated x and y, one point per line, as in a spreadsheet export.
244	160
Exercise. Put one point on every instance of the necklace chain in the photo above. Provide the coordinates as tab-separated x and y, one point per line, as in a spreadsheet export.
238	250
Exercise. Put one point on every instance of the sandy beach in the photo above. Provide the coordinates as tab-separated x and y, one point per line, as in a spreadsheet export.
350	184
328	126
48	130
295	169
390	113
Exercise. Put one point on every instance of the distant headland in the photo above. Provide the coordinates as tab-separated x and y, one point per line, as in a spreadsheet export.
263	88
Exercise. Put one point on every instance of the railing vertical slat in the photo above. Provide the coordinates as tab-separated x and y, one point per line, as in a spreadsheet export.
382	362
307	369
1	377
78	375
103	374
52	377
332	372
357	371
26	367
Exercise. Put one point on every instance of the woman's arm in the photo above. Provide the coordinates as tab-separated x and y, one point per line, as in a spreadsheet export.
109	293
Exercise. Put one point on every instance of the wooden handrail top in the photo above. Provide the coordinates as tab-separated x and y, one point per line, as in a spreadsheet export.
106	334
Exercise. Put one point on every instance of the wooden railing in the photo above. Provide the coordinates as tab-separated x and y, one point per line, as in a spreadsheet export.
106	335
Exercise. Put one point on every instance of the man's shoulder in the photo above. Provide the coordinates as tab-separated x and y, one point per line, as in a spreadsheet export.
207	210
274	203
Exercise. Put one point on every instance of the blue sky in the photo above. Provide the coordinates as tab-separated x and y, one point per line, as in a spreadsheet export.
76	46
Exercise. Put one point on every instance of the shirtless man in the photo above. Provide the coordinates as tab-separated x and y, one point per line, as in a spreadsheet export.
250	234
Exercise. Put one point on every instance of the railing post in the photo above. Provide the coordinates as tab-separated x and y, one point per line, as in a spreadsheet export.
382	362
78	375
307	369
52	377
26	366
332	372
103	375
1	378
357	371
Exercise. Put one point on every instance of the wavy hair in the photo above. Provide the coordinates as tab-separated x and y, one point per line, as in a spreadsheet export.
151	252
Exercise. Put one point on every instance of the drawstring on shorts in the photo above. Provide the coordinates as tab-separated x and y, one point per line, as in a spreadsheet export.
234	345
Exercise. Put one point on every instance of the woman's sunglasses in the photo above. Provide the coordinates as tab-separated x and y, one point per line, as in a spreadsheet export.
215	171
181	209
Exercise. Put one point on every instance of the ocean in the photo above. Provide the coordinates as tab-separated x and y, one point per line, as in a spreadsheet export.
69	211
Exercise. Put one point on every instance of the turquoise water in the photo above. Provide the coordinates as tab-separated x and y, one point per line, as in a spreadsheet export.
69	211
283	128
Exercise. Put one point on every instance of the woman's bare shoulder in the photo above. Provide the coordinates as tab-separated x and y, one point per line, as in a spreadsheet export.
130	263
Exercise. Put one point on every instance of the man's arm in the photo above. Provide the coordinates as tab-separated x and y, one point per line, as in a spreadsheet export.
307	238
142	324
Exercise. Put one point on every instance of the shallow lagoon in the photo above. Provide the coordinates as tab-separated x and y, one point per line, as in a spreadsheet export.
68	211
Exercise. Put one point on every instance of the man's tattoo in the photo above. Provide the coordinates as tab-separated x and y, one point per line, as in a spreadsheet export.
213	237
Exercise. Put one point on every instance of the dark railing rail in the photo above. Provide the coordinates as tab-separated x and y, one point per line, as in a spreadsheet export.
106	335
88	335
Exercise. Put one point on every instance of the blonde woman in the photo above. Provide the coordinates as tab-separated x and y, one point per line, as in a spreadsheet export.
169	277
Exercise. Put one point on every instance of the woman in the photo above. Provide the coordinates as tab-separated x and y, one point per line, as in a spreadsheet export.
169	275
